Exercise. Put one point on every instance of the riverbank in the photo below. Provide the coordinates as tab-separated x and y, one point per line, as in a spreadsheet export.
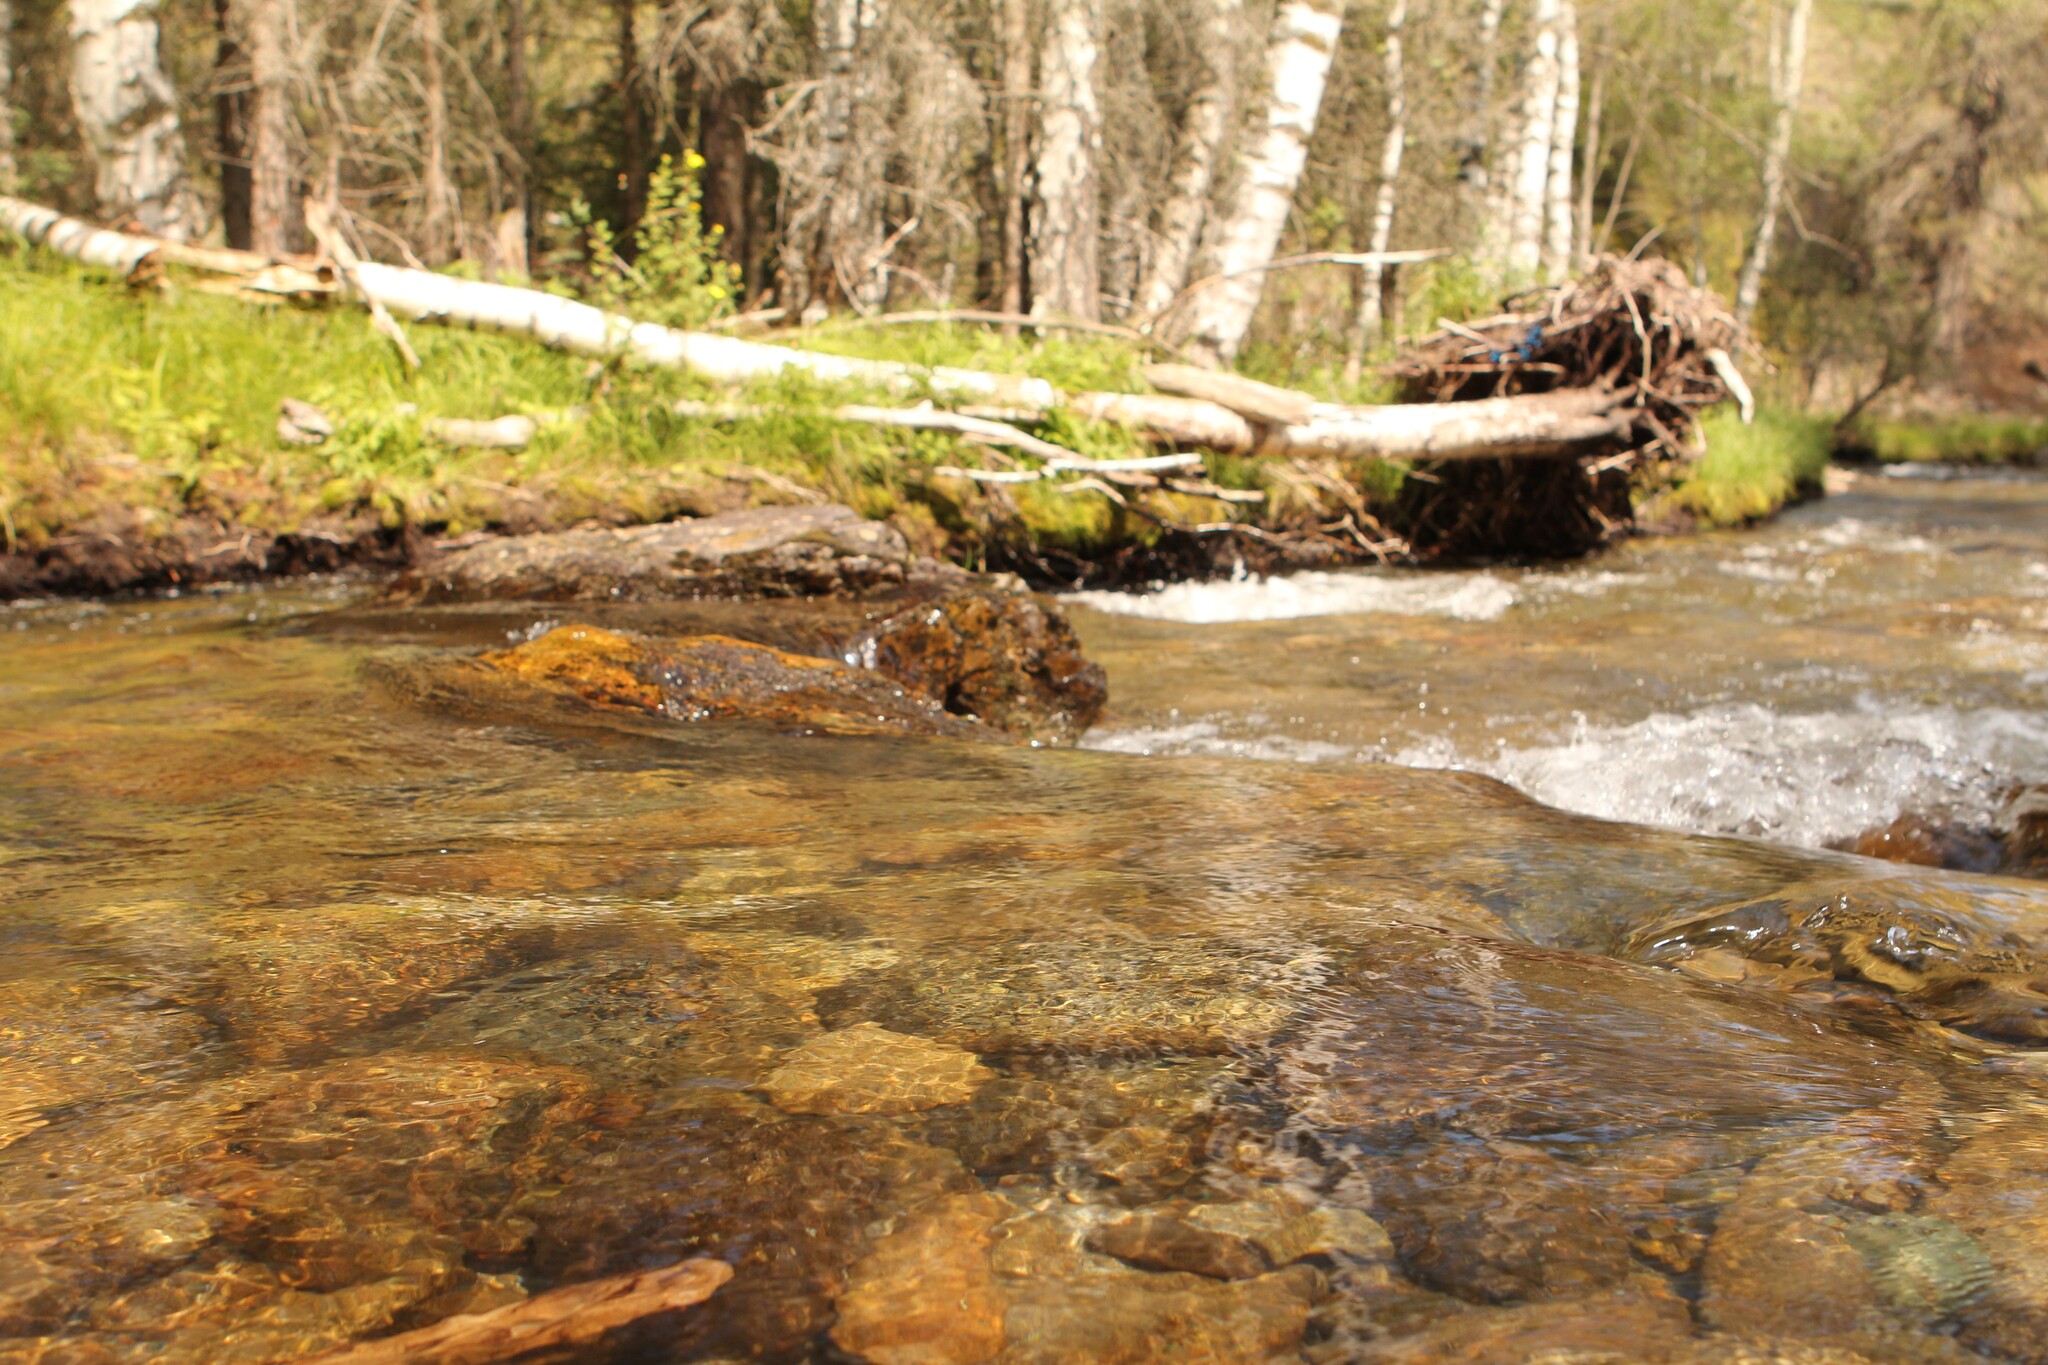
140	447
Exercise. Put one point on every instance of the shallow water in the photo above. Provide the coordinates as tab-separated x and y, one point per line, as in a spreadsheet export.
323	1015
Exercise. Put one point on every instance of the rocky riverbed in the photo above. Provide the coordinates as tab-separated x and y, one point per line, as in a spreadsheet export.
560	914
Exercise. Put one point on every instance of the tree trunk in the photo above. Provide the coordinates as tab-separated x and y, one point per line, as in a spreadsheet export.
1201	143
231	127
1980	106
1064	230
1589	169
1526	202
438	225
722	116
1298	64
128	113
1481	192
1368	321
1788	73
7	171
516	249
270	152
1016	146
1564	137
633	152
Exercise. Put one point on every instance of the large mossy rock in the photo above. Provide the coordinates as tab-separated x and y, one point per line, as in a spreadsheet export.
817	582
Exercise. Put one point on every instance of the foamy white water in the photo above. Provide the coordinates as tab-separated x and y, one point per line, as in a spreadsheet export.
1462	597
1804	779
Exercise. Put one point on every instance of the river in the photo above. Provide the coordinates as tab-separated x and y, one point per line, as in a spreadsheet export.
1251	1031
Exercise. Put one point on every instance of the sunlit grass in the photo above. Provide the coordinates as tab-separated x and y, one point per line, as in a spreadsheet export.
1752	470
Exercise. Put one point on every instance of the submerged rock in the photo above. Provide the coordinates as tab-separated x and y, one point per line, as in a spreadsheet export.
867	1069
761	552
927	1294
1927	948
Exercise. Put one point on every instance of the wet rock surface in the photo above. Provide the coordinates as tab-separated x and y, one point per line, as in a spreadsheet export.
762	552
726	615
1927	950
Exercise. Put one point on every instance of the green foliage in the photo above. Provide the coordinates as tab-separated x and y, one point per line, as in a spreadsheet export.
1751	471
1971	438
676	276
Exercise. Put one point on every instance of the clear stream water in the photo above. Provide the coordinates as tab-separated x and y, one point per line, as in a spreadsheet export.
1248	1033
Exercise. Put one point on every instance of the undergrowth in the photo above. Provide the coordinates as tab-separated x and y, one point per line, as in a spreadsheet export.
1750	471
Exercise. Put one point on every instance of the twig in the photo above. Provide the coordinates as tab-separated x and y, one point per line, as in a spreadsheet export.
320	222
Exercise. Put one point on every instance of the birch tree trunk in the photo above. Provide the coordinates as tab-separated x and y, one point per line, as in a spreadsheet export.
1564	137
1788	74
1201	143
1526	202
438	226
1064	233
1369	319
1304	43
1016	146
270	153
1589	169
128	113
6	97
516	227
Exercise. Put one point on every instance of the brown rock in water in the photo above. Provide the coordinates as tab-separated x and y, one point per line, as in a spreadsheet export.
1932	949
995	652
926	1294
1163	1238
1908	839
1994	1190
713	677
867	1069
761	552
1635	1326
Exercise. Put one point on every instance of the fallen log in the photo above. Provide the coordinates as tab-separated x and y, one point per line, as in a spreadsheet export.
1560	424
423	296
571	1316
1266	403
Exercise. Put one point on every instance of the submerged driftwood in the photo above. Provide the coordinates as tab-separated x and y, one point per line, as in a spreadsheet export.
573	1315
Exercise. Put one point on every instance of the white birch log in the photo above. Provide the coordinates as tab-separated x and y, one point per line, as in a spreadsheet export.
1556	425
1564	135
1526	203
1266	403
1787	77
423	296
1367	322
1064	231
128	113
1201	145
1298	65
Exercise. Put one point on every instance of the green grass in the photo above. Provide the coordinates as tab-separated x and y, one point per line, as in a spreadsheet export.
167	402
1969	439
1751	471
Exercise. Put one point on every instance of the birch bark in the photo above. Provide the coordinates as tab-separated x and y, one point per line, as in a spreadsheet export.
1787	75
1369	320
128	113
1201	144
270	155
1526	203
1564	137
1064	232
1298	63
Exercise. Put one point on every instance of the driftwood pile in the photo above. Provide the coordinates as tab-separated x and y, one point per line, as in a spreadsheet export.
1635	328
1523	426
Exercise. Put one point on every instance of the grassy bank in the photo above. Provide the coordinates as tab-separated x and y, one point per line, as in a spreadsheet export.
140	417
1750	471
1968	438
